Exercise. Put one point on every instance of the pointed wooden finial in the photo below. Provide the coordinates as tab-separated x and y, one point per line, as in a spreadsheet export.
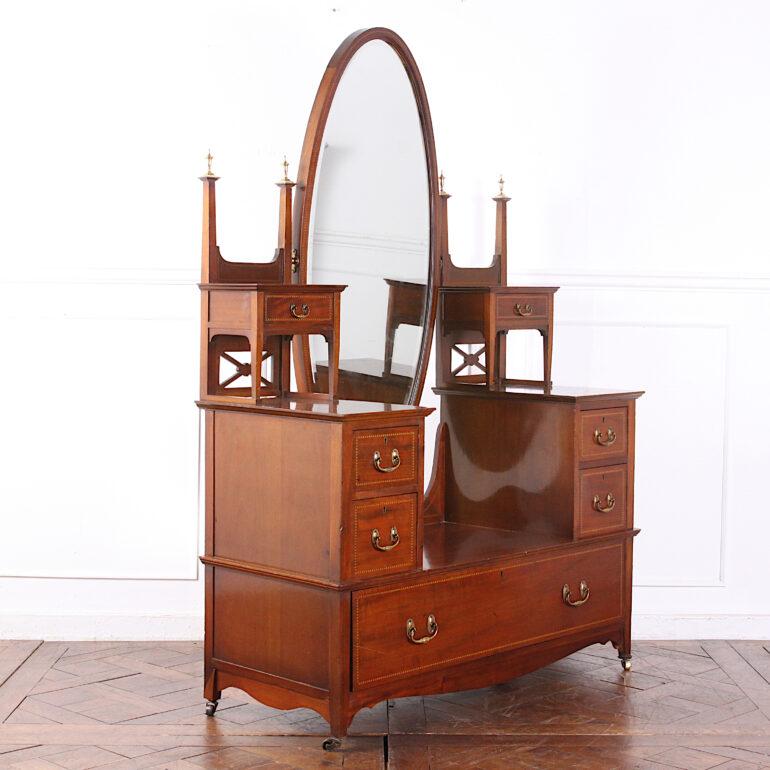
209	159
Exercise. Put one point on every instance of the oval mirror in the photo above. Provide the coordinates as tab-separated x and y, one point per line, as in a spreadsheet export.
366	203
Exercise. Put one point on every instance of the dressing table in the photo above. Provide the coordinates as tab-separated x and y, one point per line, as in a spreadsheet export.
333	580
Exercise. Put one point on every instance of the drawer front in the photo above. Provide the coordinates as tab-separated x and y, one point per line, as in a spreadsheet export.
481	613
602	500
298	309
603	433
385	458
522	307
384	535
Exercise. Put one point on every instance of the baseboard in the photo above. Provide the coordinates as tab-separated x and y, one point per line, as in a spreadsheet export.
700	626
101	627
165	627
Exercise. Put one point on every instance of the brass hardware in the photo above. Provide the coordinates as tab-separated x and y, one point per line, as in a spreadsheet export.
585	593
286	170
294	260
411	631
523	309
209	159
394	539
441	183
609	441
395	459
501	182
609	505
305	311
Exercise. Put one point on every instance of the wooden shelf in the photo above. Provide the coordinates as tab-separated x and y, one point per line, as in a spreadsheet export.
450	545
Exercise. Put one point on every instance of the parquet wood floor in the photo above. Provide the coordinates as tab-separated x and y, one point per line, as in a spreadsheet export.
687	705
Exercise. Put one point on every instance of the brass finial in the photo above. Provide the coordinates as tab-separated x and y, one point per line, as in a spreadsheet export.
501	182
441	183
285	170
209	159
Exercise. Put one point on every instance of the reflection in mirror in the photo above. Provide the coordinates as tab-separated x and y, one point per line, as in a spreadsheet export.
370	226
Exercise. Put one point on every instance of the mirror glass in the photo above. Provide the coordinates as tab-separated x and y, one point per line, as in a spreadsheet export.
370	227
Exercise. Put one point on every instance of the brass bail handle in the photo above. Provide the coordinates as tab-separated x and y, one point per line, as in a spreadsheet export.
411	631
566	594
305	311
523	309
601	440
395	459
608	506
394	539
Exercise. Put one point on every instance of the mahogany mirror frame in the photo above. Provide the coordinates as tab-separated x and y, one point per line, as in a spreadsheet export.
306	177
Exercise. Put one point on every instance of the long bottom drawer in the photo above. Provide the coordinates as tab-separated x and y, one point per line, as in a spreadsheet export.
429	624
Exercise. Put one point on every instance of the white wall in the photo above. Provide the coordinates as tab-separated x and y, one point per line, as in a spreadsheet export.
634	140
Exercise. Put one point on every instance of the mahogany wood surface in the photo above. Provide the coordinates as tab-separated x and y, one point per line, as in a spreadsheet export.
332	582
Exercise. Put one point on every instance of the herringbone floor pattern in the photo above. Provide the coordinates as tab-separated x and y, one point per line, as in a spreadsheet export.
691	705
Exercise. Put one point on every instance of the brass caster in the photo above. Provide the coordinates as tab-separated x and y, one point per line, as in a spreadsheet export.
626	663
211	707
331	744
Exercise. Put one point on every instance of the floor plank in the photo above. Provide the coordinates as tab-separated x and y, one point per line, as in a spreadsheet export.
693	705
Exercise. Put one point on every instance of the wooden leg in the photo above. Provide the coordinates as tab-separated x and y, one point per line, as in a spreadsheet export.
547	355
211	692
502	355
283	376
333	341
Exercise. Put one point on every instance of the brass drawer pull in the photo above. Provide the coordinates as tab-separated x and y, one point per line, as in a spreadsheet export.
609	505
305	311
394	539
411	630
395	459
599	438
523	309
566	594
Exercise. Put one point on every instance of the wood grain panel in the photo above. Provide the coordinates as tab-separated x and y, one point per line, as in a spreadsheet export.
277	492
273	626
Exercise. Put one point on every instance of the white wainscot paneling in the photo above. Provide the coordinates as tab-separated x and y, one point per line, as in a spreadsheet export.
101	477
680	440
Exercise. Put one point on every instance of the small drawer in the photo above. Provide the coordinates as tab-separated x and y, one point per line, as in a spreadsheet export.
522	307
385	458
296	309
431	624
602	500
603	433
384	537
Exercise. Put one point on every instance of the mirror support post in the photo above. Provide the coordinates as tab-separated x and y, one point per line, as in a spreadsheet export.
210	251
285	226
501	234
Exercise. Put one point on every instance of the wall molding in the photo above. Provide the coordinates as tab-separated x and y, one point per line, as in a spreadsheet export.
664	582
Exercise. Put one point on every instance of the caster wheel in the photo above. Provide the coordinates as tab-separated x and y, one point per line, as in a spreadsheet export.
211	707
331	744
626	663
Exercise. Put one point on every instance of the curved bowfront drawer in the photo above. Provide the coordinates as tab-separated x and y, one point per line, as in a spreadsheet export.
385	458
603	433
384	537
399	632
